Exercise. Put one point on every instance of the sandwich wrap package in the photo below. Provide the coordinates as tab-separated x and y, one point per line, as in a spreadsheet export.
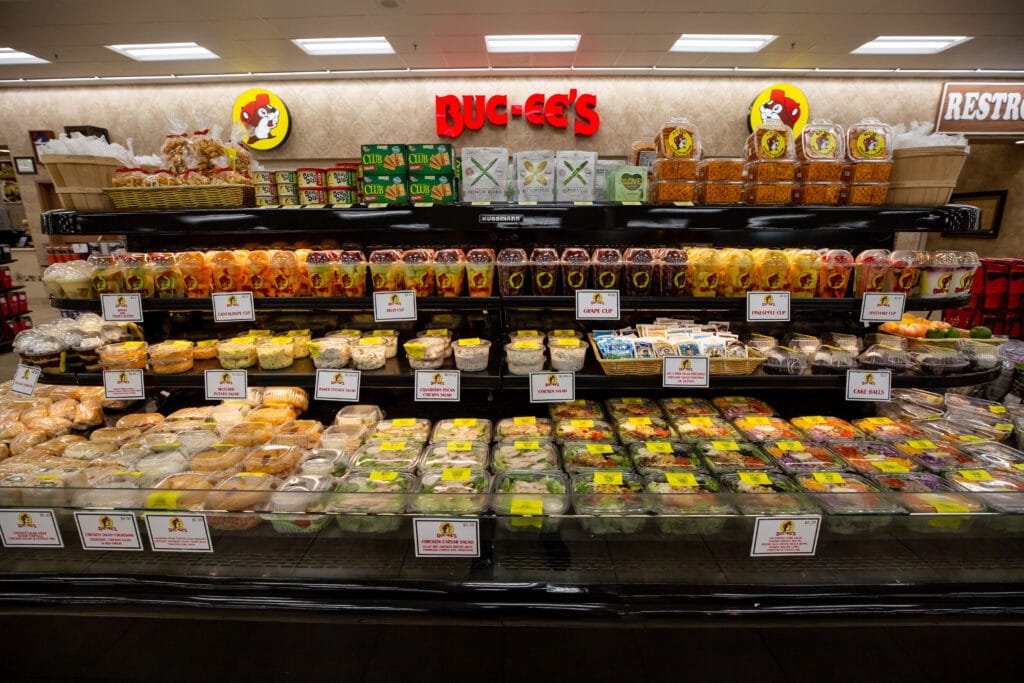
484	171
576	174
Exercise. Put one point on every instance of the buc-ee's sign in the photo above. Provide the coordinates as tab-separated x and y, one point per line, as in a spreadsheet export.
981	109
456	114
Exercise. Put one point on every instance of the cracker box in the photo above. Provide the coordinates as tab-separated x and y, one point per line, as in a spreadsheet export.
384	159
484	174
384	189
437	188
430	159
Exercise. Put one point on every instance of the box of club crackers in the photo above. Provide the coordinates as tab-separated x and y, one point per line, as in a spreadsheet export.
384	189
384	159
437	188
433	159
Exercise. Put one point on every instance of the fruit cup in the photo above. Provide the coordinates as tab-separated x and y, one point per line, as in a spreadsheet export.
260	278
167	279
320	273
545	271
575	269
196	275
703	265
419	271
834	276
906	271
138	278
284	269
871	273
607	268
673	272
386	270
804	270
770	269
449	267
512	272
735	272
349	274
480	272
640	270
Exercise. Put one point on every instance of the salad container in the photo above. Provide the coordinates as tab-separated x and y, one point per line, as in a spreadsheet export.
663	456
588	456
687	503
613	498
524	427
795	456
452	491
767	493
462	429
525	454
525	499
731	456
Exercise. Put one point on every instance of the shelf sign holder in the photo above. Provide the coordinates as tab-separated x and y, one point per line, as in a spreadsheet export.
122	385
226	384
597	304
121	308
388	306
338	385
438	385
685	371
882	307
552	387
25	379
233	307
868	385
785	536
765	307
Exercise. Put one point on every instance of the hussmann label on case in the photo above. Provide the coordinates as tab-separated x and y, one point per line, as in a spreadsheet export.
447	537
394	306
174	533
338	385
597	304
552	387
882	307
29	529
226	384
785	536
25	378
438	385
767	307
685	371
122	308
108	531
123	385
233	307
868	385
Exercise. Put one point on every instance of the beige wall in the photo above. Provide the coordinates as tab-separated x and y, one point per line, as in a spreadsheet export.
331	118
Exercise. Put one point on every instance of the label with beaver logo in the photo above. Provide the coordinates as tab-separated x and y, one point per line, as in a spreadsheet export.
880	307
768	307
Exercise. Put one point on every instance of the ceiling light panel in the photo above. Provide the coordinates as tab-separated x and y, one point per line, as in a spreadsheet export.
909	45
163	52
721	42
370	45
8	55
533	43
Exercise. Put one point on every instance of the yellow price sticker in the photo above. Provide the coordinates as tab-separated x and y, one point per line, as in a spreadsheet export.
828	477
681	479
564	333
599	448
527	333
608	478
789	445
947	507
970	438
528	345
1004	427
258	333
997	410
527	506
455	474
206	343
683	401
465	422
297	333
921	444
568	341
813	420
658	447
700	421
756	420
459	446
163	500
384	333
889	466
252	474
131	346
1019	466
370	341
725	445
415	350
879	421
576	402
524	420
470	341
243	340
392	445
581	424
348	332
404	422
975	475
755	479
437	333
639	421
526	445
383	476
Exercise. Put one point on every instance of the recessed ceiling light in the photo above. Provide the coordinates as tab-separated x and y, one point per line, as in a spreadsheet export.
909	45
375	45
533	43
8	55
163	52
721	42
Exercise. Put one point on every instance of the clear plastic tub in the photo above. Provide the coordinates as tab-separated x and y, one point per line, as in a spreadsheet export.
826	428
760	428
644	428
368	414
425	353
369	353
937	456
1000	491
873	457
604	493
525	454
632	407
664	456
391	455
886	429
694	428
723	456
737	406
567	354
584	430
794	456
372	492
578	456
524	357
846	494
455	454
513	272
329	353
450	493
471	354
462	429
523	427
686	406
530	493
275	353
767	493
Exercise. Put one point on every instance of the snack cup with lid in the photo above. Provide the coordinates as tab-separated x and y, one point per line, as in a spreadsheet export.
736	272
938	271
390	338
480	272
673	272
568	354
275	353
425	353
419	271
703	266
525	356
471	354
450	269
387	271
678	139
513	272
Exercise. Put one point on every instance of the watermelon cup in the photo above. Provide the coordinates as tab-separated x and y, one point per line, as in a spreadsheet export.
836	266
449	267
575	269
513	267
906	271
480	272
872	272
545	270
607	268
419	271
320	273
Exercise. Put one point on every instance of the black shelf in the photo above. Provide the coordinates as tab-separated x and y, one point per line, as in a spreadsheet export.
17	315
661	303
298	303
6	262
12	289
7	346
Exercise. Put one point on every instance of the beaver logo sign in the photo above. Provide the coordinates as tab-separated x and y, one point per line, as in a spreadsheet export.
780	103
264	118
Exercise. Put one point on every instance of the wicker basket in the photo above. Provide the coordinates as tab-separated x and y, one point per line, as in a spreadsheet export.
925	176
918	193
80	171
182	197
84	199
652	366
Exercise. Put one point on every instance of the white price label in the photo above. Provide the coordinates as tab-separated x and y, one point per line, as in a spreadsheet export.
337	385
169	532
447	537
25	378
226	384
552	387
868	385
232	307
123	385
438	385
882	307
29	529
685	371
394	306
597	304
767	307
122	308
108	531
782	536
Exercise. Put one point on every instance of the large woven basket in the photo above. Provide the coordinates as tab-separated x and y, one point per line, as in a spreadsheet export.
80	170
652	366
182	197
925	176
919	193
83	199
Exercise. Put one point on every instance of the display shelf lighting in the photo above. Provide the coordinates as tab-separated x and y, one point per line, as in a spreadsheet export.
566	42
362	45
909	45
163	52
721	42
8	56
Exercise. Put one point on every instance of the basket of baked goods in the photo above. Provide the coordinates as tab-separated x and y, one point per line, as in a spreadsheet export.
224	188
640	350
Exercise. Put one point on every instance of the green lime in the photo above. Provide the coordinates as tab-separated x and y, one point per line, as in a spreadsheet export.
981	332
953	333
934	333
